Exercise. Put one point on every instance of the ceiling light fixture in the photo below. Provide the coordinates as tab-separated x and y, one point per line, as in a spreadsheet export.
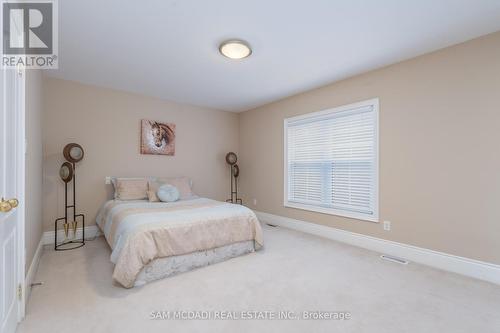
235	49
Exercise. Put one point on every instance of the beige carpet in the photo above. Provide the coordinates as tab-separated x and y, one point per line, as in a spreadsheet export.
295	272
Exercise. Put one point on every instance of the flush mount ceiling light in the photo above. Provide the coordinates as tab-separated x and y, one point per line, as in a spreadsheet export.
235	49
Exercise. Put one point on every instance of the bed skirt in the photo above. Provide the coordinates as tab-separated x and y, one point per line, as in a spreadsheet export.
168	266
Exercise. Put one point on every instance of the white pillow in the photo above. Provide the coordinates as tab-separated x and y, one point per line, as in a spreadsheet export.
168	193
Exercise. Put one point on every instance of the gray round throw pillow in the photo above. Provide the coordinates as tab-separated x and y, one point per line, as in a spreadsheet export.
168	193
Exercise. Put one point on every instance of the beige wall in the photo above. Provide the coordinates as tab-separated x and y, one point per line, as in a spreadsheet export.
439	149
34	158
107	124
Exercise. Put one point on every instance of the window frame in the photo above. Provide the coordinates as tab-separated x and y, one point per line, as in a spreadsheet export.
334	211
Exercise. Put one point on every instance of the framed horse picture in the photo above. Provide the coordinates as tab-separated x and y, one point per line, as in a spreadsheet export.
157	138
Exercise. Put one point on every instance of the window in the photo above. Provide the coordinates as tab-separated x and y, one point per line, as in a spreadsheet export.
331	161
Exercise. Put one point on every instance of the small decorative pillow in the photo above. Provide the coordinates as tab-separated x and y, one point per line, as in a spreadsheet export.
131	189
168	193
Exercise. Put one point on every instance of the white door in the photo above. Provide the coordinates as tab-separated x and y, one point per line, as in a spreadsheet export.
11	187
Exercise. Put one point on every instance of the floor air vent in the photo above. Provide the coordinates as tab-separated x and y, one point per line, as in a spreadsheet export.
394	259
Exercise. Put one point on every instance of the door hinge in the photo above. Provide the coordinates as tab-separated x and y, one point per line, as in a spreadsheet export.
20	291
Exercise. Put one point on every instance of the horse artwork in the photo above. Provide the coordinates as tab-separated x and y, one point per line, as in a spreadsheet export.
157	138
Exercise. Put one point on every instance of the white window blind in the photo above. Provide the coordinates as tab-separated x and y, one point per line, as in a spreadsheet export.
331	161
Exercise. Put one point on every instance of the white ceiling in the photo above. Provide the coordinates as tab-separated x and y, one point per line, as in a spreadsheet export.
169	48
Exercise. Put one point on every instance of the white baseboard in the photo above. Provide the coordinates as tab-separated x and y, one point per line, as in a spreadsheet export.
90	232
465	266
32	270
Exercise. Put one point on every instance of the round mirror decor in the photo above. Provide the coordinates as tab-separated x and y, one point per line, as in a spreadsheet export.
66	172
72	222
73	152
231	158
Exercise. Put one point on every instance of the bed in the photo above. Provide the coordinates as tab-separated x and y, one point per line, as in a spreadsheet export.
153	240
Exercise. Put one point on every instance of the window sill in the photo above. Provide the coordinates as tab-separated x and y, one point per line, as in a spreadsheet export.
335	212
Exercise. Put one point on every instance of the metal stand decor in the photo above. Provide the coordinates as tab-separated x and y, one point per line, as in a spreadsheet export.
73	153
231	159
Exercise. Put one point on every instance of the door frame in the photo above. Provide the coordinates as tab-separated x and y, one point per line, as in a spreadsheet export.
21	187
18	83
19	86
